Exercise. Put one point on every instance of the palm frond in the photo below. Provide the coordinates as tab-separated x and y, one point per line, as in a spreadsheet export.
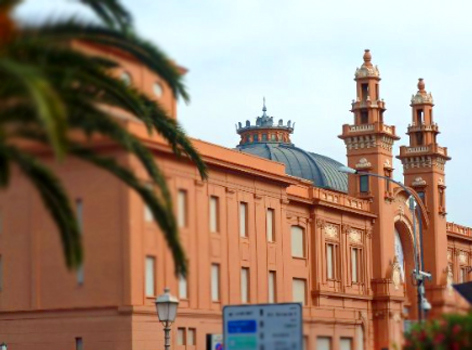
160	212
111	12
55	199
50	109
142	50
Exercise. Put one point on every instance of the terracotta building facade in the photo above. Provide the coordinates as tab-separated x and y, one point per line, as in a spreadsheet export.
273	223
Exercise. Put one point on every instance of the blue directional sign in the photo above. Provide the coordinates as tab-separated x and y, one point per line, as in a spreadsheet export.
263	327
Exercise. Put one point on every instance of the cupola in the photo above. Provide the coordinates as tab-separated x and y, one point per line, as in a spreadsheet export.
265	130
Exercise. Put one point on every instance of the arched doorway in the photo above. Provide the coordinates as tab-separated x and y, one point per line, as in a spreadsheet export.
404	253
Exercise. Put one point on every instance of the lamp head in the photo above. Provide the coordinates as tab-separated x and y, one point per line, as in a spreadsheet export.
166	306
347	170
425	304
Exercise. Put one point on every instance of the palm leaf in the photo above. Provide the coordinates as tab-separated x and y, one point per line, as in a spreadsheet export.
111	12
140	49
50	109
163	216
55	199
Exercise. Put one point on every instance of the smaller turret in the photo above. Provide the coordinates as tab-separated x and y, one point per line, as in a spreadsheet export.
264	130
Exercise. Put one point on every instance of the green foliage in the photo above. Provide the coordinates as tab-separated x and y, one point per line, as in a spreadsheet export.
49	90
452	332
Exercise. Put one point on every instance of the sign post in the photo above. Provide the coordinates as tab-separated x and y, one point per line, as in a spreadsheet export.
263	327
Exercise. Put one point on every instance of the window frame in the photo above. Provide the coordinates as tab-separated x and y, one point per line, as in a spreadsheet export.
303	242
304	281
270	234
215	286
147	260
272	285
243	222
182	208
214	222
245	274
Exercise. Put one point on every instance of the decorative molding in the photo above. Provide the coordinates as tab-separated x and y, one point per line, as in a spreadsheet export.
363	164
387	164
284	201
346	229
230	190
368	232
463	258
449	255
257	196
423	162
355	236
419	182
331	231
367	71
320	223
199	183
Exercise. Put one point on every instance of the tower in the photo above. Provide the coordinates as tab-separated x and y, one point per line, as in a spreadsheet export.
423	169
369	144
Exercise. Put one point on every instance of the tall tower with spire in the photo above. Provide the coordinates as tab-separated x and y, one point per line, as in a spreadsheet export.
369	144
423	169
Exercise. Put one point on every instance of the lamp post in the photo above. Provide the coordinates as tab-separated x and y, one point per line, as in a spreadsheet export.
3	346
166	306
418	275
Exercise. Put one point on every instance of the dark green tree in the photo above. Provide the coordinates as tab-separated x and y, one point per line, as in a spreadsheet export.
49	90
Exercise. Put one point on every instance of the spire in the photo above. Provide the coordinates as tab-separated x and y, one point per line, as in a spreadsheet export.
421	97
264	108
367	70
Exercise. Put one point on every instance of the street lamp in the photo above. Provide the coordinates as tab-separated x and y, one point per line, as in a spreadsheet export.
3	346
166	306
418	275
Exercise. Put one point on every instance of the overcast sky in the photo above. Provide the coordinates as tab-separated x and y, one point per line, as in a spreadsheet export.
301	55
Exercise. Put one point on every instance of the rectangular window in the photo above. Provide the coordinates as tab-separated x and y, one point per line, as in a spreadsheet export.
419	117
419	139
323	343
147	212
243	219
270	225
345	344
150	276
421	194
182	208
192	337
330	261
355	265
299	290
79	344
181	336
244	285
298	242
79	212
364	117
365	91
364	183
272	287
215	282
183	287
214	214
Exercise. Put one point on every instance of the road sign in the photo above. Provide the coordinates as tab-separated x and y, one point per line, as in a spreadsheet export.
214	342
263	327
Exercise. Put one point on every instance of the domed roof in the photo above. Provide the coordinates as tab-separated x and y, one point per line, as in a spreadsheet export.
323	171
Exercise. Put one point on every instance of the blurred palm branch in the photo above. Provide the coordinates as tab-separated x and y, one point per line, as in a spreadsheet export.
49	90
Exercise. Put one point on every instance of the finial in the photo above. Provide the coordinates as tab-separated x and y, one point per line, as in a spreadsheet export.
421	85
367	58
264	108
